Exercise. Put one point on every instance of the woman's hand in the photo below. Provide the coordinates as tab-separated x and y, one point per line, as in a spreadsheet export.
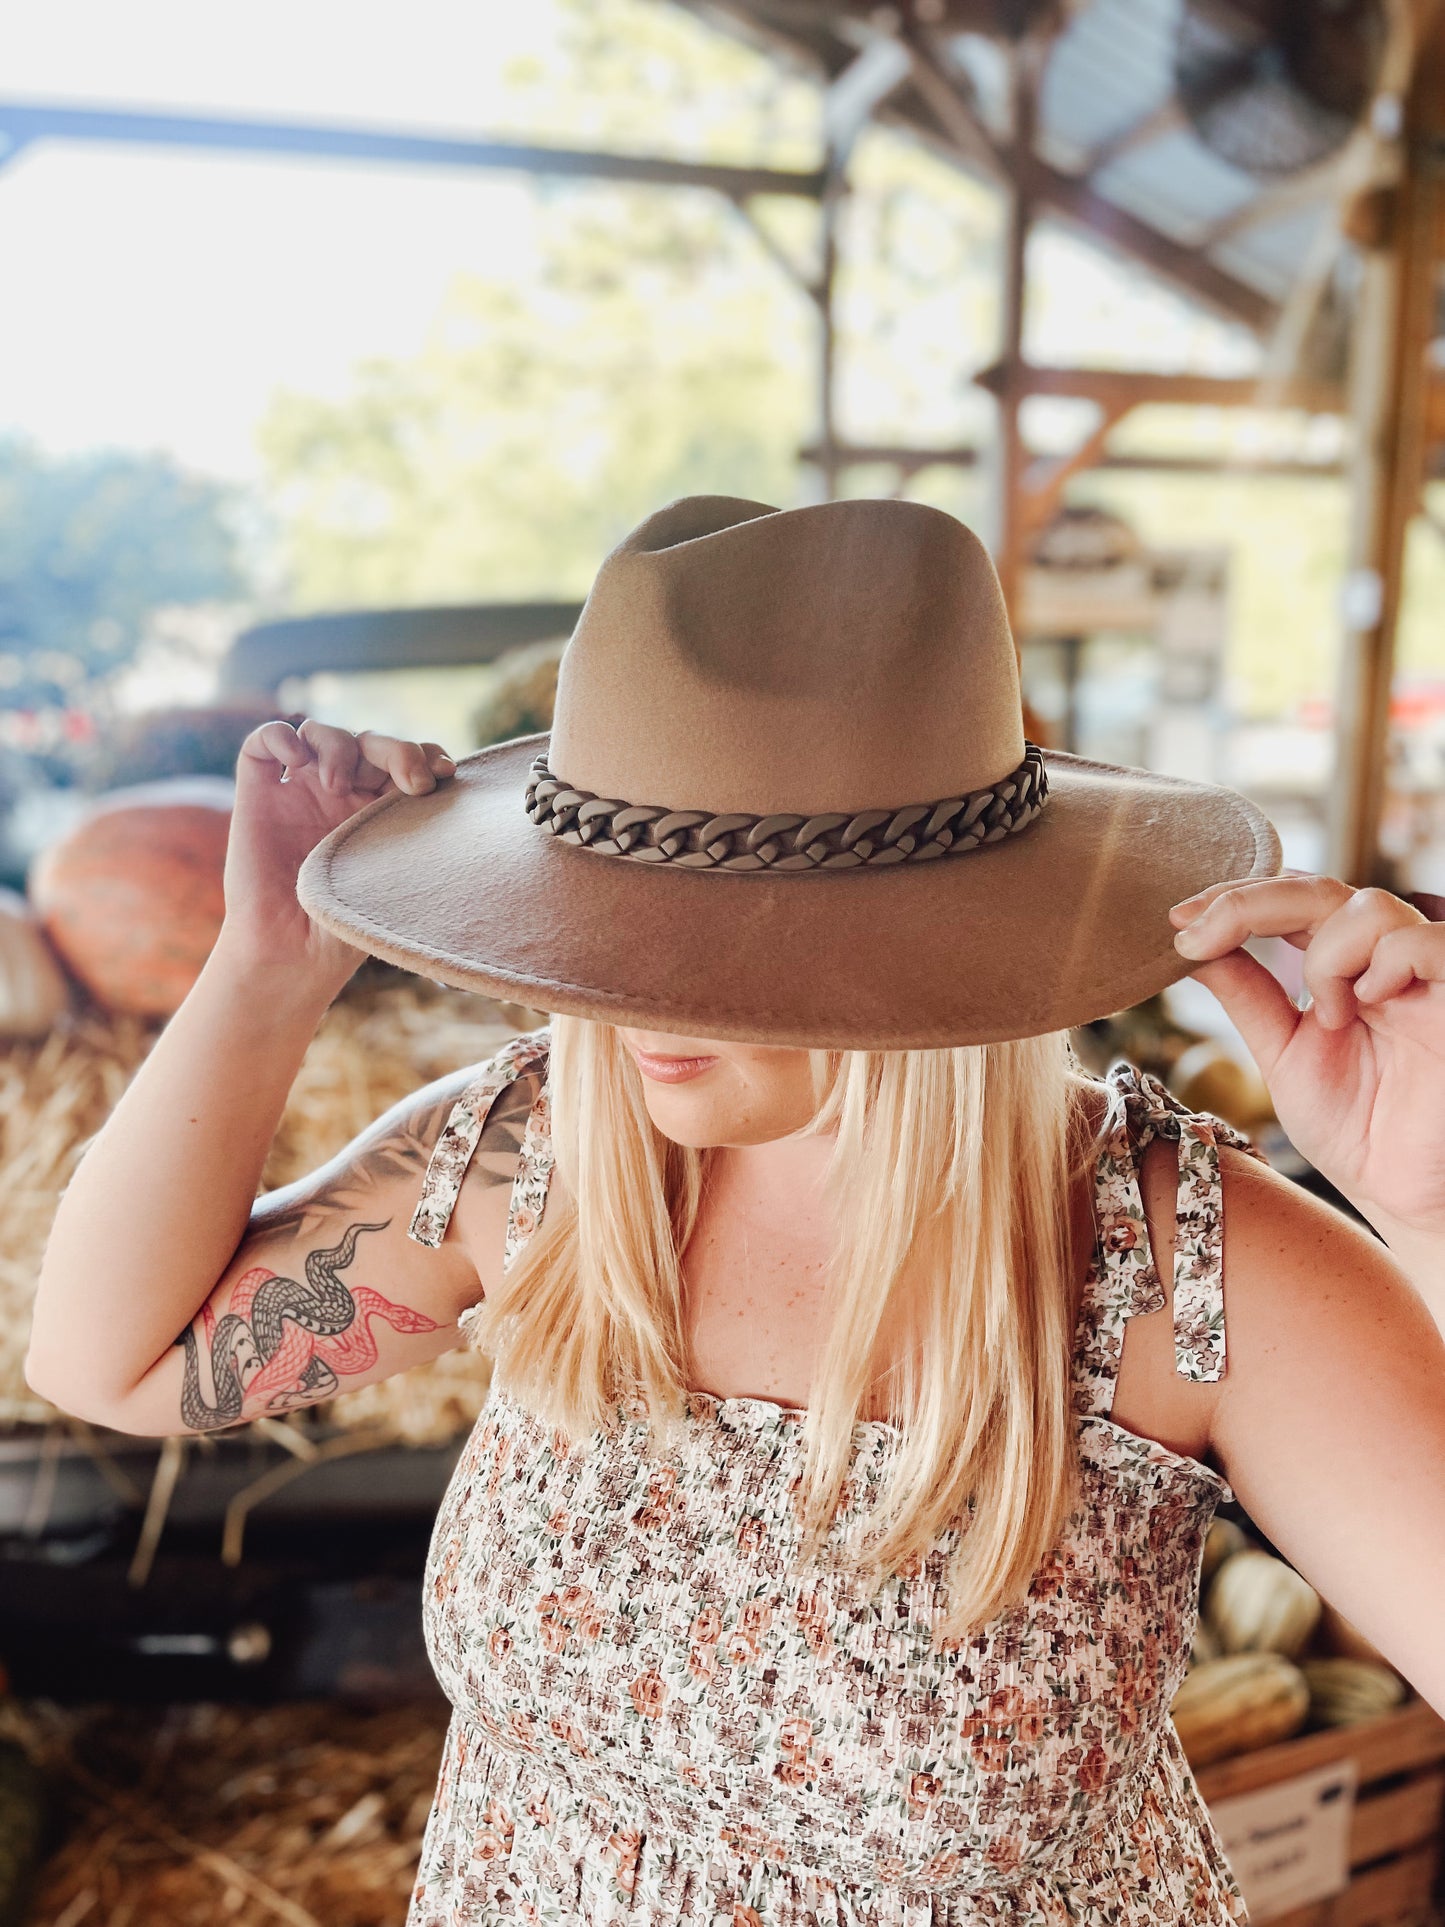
1357	1078
292	787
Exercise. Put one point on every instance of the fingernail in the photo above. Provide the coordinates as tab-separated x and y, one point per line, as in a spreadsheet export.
1184	903
1190	940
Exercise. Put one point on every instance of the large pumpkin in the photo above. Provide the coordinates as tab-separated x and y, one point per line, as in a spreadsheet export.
131	896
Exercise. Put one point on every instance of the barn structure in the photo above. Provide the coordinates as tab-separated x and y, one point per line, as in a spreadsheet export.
1279	163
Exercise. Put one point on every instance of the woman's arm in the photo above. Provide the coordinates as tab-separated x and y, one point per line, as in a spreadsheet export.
1330	1421
1330	1417
158	1232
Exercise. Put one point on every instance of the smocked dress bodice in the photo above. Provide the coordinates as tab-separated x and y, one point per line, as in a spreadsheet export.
656	1719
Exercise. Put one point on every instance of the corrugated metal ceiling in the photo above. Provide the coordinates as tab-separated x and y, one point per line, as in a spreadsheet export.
1109	75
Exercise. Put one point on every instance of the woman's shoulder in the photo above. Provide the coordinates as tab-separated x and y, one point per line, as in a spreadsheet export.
481	1139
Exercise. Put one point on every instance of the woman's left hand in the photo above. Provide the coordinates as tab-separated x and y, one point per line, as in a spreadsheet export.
1357	1078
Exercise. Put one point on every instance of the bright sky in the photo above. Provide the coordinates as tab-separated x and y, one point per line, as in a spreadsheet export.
156	298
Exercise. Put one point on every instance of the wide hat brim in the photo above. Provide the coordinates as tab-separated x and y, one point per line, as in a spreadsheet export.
1061	923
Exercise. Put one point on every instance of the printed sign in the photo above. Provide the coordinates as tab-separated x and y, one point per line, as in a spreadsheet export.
1289	1843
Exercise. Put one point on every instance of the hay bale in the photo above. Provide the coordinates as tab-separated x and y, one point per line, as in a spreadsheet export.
521	694
309	1813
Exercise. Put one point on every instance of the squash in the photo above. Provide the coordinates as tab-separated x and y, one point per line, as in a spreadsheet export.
131	895
1256	1603
1203	1645
33	990
1238	1703
1345	1690
1221	1542
1209	1078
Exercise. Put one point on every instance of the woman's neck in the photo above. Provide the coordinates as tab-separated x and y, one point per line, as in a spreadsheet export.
781	1180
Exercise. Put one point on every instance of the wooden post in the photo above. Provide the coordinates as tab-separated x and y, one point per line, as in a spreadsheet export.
829	461
849	102
1389	396
1011	544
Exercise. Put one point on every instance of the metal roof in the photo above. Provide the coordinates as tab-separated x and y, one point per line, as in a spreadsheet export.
1106	131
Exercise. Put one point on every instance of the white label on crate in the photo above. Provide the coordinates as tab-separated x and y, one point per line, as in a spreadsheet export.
1289	1843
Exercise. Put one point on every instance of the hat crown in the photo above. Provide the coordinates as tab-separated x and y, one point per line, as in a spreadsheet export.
737	657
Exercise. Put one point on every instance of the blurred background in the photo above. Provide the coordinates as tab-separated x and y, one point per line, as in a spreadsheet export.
338	344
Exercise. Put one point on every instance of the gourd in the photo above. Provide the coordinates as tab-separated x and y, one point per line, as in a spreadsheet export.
1221	1542
33	990
1345	1690
1209	1078
1256	1603
1203	1645
1238	1703
131	895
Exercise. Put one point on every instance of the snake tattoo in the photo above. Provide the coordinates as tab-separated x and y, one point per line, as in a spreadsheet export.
283	1343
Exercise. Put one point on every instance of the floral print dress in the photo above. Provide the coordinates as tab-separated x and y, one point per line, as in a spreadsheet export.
655	1720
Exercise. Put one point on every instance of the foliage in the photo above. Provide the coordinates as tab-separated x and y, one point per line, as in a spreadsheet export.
90	546
647	75
542	420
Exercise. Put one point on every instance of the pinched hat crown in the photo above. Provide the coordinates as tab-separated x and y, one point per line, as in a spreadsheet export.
754	689
836	658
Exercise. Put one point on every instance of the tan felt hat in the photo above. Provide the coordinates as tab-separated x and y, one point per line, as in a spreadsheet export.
787	799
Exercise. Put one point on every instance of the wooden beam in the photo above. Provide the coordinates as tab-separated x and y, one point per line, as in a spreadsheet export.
22	123
1026	72
1133	388
1082	206
1045	482
911	460
946	100
1305	189
945	122
1164	119
1072	199
1389	398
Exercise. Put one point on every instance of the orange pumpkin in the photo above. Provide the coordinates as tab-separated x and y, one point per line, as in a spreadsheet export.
131	896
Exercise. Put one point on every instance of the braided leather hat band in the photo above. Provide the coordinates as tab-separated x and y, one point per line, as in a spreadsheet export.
831	840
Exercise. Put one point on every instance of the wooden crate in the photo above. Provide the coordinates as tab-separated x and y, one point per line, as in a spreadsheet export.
1395	1838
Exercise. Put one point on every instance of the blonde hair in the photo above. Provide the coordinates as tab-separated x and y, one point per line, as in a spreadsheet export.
950	1281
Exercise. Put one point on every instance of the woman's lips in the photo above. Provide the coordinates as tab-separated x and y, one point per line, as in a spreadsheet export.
671	1070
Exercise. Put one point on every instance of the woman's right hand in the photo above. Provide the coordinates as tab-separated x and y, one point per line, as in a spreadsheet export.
293	786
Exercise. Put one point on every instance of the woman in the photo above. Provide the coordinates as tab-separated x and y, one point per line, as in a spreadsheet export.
828	1548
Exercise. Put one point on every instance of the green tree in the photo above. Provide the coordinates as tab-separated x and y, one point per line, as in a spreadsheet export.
90	546
652	357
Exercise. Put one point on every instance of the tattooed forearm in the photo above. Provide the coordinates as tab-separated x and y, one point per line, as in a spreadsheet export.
396	1148
283	1342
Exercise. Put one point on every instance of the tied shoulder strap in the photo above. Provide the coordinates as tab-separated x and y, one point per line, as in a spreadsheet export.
453	1150
1152	1109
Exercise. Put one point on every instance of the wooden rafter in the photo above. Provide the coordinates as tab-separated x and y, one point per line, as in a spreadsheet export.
1044	482
1026	67
1069	198
1312	187
909	459
938	111
1390	407
1081	205
1164	119
1122	388
947	100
